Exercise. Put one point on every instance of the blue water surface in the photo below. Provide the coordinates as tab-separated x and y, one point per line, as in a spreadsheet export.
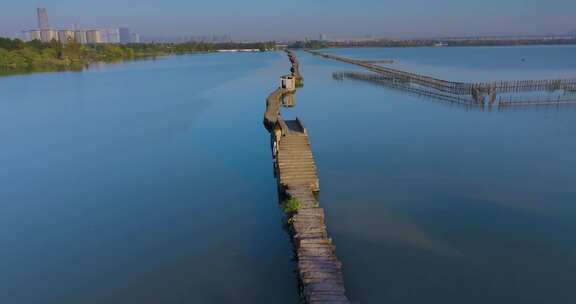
152	182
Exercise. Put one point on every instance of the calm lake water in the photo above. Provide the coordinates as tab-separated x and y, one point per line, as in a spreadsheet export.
152	182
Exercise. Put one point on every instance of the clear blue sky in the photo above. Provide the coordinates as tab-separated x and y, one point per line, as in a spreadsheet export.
266	19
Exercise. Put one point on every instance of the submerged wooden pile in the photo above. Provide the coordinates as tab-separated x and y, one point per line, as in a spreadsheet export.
319	270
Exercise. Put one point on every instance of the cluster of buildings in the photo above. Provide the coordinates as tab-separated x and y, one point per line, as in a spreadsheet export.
213	38
91	36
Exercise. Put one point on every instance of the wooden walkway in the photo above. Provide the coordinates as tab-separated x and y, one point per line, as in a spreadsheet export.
295	69
273	105
318	267
320	272
294	161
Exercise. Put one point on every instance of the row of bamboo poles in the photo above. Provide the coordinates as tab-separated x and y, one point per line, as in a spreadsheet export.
461	88
476	99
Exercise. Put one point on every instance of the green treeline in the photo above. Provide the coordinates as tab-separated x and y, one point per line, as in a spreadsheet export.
312	44
16	55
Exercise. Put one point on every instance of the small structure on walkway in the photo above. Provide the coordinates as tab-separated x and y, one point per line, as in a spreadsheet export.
288	82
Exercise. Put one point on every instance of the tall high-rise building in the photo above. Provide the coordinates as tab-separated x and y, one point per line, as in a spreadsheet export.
43	19
125	35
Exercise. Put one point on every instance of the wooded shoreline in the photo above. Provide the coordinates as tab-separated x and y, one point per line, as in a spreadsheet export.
412	43
18	57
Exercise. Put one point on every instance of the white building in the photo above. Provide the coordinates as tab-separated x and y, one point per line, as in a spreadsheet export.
80	36
48	35
31	35
111	35
135	38
288	82
94	36
64	36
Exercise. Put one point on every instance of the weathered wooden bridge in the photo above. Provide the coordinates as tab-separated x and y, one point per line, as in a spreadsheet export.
477	91
319	270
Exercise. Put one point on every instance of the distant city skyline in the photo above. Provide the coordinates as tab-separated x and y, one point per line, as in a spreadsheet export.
45	33
257	20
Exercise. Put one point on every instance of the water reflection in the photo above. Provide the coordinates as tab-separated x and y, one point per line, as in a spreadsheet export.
288	100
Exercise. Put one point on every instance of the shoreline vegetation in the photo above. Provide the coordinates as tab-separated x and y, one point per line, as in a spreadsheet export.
18	57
